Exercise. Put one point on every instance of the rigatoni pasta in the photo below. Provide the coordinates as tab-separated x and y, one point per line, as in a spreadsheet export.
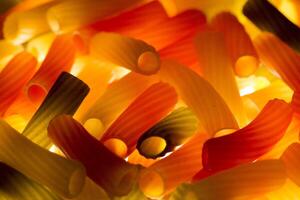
63	98
66	177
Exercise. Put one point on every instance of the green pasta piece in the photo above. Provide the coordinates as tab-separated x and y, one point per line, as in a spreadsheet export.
135	194
267	18
64	97
64	177
14	185
174	129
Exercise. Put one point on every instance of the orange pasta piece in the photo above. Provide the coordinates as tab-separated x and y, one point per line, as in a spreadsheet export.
200	96
13	77
250	142
184	52
291	160
60	57
140	56
276	54
239	45
106	169
7	52
296	103
136	158
145	111
217	69
164	175
117	97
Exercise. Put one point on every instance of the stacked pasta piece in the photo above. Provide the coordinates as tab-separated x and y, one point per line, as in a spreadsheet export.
147	99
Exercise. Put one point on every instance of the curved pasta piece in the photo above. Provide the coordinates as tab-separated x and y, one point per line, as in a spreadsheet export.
173	129
290	157
64	97
250	142
7	4
296	103
136	158
200	96
103	167
7	52
40	45
14	185
68	15
238	43
20	27
164	175
135	194
276	54
267	18
13	77
217	70
65	177
52	66
145	111
140	57
288	191
241	181
117	98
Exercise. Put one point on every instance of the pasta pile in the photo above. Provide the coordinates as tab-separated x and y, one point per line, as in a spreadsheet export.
149	99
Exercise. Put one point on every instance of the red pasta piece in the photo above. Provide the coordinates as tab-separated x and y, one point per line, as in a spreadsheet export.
279	56
296	103
13	77
106	169
250	142
60	57
151	24
145	111
239	45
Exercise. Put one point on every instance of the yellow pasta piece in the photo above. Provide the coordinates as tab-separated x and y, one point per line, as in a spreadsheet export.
239	182
139	57
20	27
40	45
14	185
217	69
117	98
200	96
66	177
7	51
287	192
68	15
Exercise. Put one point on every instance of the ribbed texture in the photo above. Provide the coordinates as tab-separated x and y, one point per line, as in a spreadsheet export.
13	77
151	24
40	45
117	97
68	15
291	159
111	47
267	18
250	142
7	51
296	103
217	70
144	112
175	129
276	54
238	42
181	165
243	181
64	98
103	167
135	194
15	185
60	57
63	176
200	96
287	192
22	26
184	52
